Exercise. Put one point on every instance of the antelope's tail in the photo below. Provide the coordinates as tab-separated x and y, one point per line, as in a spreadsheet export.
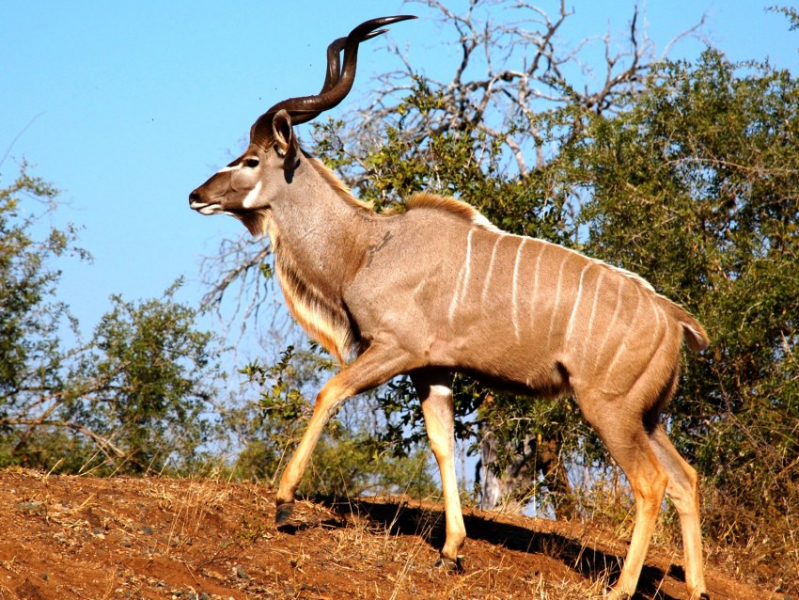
695	335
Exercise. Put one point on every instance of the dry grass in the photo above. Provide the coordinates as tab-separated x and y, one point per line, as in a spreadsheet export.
81	537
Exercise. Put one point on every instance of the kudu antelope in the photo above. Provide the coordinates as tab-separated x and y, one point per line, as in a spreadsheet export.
438	289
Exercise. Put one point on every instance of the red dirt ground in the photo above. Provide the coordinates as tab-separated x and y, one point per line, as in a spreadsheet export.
80	537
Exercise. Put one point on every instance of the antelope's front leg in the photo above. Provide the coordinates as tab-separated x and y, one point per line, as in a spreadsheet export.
374	367
435	391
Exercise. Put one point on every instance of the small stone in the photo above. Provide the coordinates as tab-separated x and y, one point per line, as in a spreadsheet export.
32	508
240	572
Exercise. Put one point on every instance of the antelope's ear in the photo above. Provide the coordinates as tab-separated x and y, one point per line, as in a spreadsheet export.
286	143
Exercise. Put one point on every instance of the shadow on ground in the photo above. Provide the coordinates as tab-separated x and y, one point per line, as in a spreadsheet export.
582	557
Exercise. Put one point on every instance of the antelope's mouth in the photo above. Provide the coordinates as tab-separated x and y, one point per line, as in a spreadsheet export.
205	208
198	202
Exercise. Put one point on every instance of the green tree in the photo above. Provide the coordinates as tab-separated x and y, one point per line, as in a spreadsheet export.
689	178
31	359
145	385
134	398
695	187
693	184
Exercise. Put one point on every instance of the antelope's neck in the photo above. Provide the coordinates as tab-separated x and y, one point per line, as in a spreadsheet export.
318	244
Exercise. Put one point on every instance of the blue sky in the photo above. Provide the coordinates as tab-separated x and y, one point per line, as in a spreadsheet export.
127	106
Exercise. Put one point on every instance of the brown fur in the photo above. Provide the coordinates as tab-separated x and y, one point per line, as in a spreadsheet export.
695	335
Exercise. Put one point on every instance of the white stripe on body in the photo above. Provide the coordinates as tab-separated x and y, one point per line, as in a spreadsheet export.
515	291
570	327
593	312
462	284
653	301
484	295
622	348
610	327
533	306
556	303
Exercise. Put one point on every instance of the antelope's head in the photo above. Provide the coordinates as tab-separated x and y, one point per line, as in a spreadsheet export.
242	189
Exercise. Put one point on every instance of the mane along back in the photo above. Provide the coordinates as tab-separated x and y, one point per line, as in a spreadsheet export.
461	209
335	183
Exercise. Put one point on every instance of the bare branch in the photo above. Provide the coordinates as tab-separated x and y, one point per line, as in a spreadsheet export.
511	66
694	32
106	446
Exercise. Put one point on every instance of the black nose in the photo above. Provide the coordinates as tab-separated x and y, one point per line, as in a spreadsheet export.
194	197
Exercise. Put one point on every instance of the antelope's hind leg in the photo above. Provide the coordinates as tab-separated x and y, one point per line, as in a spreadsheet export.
683	489
628	442
434	388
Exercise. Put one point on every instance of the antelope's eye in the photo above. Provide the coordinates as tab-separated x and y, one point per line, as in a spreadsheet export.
252	163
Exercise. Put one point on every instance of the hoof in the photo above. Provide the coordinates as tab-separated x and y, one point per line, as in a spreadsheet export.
283	513
615	594
451	566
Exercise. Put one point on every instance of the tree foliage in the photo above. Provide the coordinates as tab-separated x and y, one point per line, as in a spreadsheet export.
29	317
131	399
144	385
695	187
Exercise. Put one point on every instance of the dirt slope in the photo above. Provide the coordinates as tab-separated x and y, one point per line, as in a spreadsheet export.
79	537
